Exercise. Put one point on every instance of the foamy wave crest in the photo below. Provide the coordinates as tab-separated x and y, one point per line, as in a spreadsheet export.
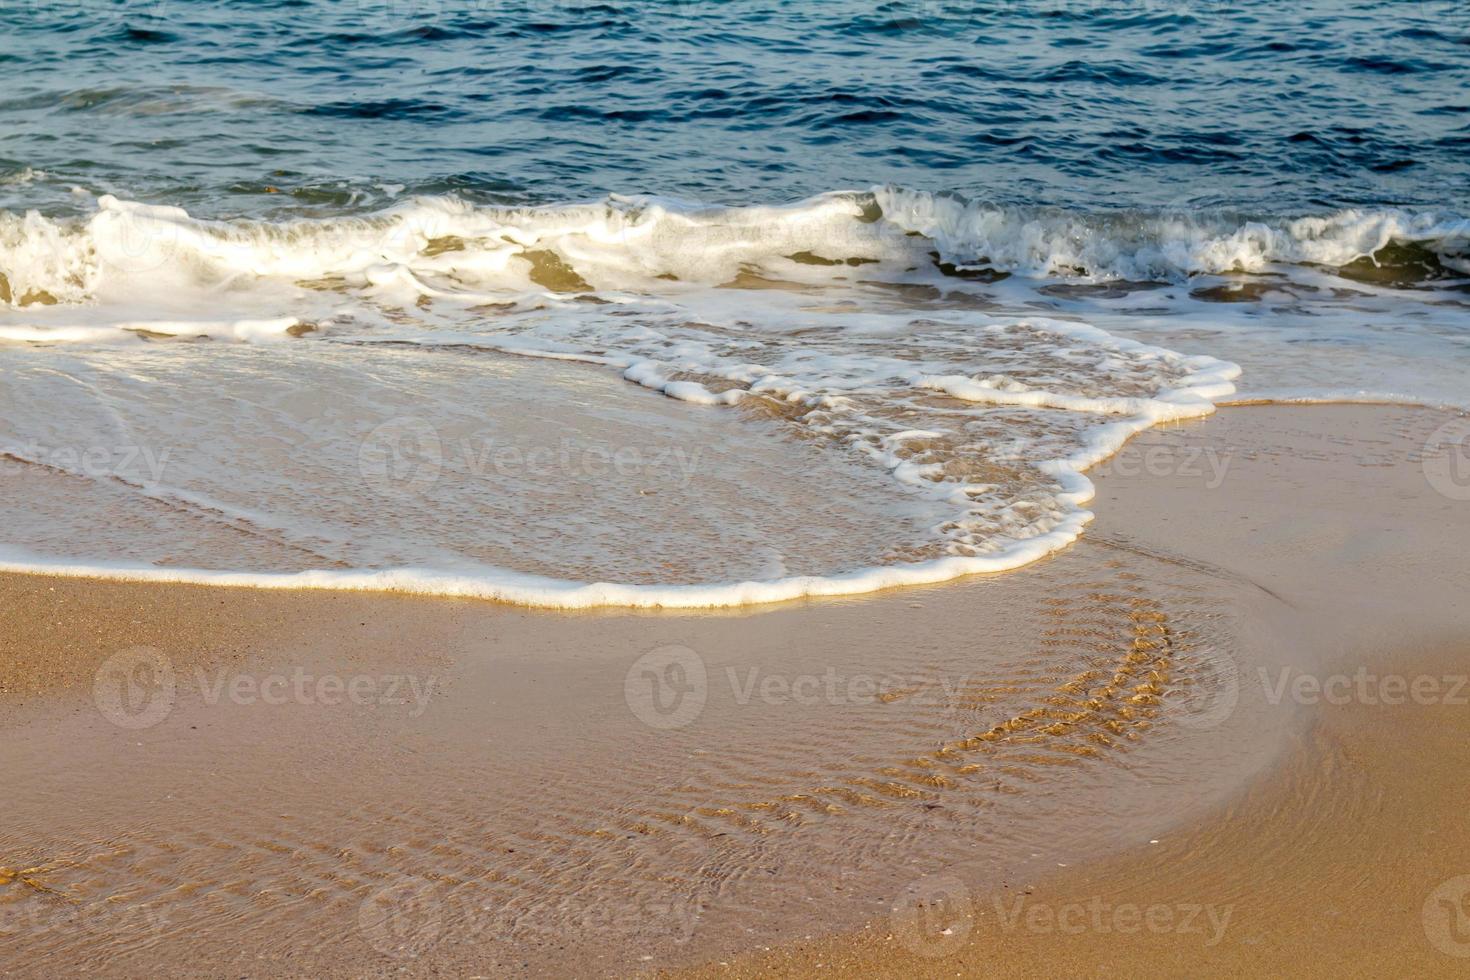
948	393
1164	244
911	433
429	246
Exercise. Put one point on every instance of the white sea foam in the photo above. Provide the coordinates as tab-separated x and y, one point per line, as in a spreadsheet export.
971	409
445	245
1164	245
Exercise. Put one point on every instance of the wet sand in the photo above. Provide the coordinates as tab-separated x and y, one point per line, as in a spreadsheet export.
1347	859
226	781
1351	860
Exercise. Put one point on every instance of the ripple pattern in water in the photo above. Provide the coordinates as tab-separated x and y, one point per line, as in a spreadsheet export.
335	103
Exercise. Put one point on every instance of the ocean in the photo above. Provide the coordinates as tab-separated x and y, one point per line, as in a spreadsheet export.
688	304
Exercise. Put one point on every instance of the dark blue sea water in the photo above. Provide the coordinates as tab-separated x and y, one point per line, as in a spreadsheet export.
217	105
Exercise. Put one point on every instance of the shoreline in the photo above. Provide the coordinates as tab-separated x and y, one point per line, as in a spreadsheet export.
527	590
1344	856
504	792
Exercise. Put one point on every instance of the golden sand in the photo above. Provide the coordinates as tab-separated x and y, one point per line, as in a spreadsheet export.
336	784
1350	860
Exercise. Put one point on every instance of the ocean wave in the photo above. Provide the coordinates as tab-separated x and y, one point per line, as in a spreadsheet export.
971	361
970	428
653	244
1170	244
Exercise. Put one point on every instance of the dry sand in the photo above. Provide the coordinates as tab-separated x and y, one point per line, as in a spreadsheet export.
230	782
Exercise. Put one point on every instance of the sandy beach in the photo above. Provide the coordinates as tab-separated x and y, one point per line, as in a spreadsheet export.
669	490
1222	733
1347	859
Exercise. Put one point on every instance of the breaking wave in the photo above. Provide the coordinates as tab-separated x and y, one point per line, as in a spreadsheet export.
437	244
